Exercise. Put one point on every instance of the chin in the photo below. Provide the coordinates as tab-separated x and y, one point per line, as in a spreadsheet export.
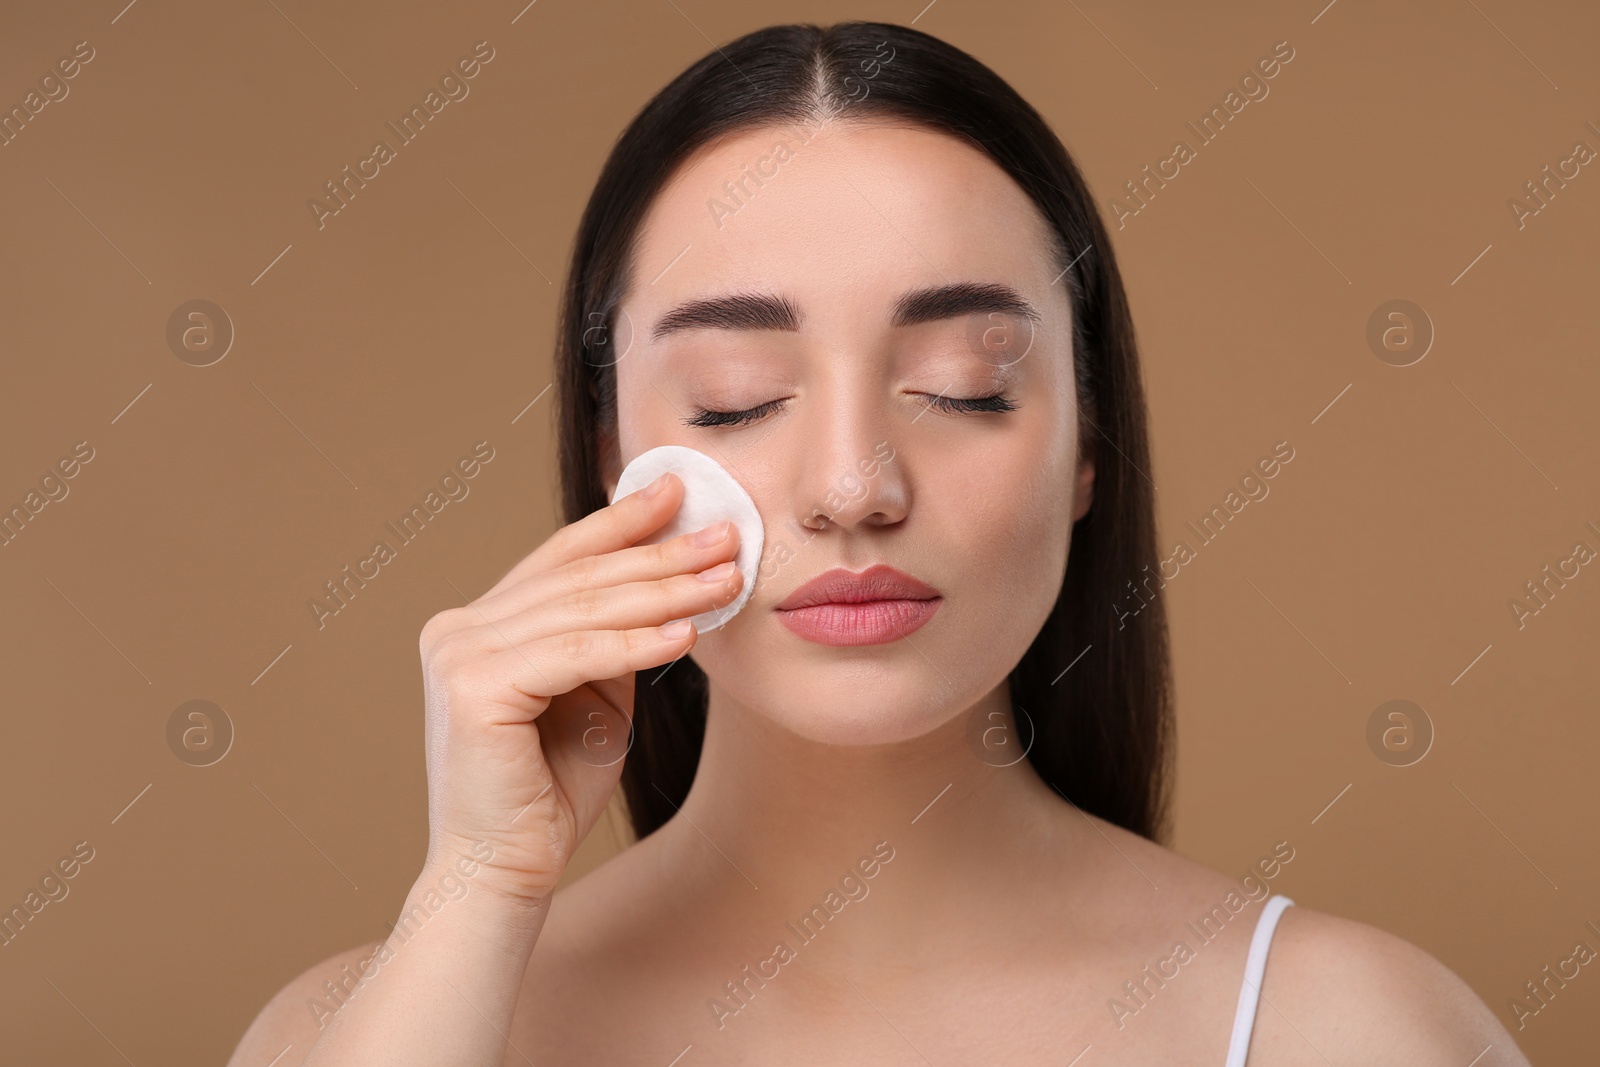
877	720
836	699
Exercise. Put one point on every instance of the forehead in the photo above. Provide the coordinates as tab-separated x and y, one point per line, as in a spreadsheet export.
843	219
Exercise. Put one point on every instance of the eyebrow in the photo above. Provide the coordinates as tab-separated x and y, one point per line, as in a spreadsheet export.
769	311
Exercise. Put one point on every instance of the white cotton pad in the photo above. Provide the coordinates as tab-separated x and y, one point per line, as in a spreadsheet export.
710	494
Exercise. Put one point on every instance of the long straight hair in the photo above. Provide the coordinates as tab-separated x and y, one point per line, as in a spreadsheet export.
1095	683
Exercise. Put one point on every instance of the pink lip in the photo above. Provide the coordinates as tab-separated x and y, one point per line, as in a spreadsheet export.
874	606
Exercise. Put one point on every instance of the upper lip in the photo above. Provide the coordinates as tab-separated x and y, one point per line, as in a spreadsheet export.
840	586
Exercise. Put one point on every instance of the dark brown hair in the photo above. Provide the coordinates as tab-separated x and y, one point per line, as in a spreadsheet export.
1102	731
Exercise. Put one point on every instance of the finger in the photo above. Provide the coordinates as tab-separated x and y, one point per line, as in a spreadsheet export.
551	666
619	607
617	525
683	554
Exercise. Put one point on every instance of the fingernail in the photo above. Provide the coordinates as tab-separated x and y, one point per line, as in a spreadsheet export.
677	629
654	487
711	535
717	573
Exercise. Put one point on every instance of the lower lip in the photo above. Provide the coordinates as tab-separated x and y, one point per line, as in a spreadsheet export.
875	622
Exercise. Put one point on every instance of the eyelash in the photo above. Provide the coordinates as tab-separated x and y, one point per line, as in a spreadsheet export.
995	402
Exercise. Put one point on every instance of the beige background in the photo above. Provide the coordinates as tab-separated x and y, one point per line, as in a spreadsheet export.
373	353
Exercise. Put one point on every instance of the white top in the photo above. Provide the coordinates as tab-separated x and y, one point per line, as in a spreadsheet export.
1250	991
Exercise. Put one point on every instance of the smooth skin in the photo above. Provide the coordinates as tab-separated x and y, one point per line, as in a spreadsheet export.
1006	920
515	780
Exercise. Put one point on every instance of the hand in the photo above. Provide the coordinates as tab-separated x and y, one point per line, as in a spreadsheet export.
529	689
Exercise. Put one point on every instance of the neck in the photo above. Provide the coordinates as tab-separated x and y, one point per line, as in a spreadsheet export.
774	821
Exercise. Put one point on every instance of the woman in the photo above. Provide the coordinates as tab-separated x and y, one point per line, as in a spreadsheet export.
857	270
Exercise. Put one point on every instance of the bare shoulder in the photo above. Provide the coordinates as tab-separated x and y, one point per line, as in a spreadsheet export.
291	1021
1344	990
1335	990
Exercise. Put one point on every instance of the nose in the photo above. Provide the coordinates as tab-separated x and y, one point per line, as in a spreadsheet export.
850	476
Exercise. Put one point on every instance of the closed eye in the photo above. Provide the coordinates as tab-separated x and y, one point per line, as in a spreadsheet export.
703	417
995	402
962	405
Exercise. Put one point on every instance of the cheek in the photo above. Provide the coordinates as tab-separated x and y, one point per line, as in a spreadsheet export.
1010	524
638	421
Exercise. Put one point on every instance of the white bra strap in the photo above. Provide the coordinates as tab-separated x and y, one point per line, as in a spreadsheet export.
1250	991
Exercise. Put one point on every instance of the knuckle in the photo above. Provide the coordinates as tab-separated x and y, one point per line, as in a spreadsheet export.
639	640
462	691
450	654
434	657
582	573
579	644
586	603
440	626
556	544
663	554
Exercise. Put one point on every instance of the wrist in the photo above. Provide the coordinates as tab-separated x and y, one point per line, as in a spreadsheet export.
481	863
461	884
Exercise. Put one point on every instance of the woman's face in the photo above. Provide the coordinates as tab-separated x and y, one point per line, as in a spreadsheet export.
839	246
